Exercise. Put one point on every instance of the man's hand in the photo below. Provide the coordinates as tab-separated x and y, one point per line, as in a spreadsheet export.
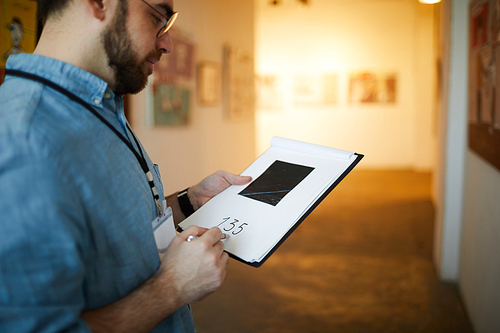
195	269
190	271
199	194
213	185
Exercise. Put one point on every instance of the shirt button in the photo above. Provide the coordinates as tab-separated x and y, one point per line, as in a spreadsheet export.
96	101
107	95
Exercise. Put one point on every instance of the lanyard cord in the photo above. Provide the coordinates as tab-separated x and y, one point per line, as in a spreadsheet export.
70	95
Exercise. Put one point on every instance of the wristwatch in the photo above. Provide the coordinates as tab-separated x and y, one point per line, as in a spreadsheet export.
186	207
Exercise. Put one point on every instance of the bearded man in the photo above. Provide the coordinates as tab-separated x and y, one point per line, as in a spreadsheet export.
80	200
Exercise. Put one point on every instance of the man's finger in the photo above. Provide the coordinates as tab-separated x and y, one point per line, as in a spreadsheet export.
219	246
214	234
193	230
237	180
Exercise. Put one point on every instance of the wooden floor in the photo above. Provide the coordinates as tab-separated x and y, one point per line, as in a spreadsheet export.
361	262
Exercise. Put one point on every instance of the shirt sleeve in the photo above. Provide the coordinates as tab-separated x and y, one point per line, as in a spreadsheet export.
42	244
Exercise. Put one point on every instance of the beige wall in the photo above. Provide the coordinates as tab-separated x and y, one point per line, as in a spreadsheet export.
210	142
340	37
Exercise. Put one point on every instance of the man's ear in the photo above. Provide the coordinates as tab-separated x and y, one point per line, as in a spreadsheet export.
99	8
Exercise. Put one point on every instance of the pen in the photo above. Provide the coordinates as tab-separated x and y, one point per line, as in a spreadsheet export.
222	237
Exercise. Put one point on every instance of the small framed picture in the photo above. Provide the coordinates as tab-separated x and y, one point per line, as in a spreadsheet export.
209	83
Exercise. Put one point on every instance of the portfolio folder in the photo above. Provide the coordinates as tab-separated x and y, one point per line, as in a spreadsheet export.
289	180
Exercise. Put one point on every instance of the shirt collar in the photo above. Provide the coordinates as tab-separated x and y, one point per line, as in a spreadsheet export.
85	85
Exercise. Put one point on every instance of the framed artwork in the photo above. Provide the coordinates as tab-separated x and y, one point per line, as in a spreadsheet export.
483	94
306	90
179	63
209	83
169	95
269	92
239	84
370	87
18	23
170	105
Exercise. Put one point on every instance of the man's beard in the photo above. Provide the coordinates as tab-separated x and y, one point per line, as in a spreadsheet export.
130	76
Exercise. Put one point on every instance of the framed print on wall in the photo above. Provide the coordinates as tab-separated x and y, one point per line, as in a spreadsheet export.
239	83
209	83
369	87
484	81
18	23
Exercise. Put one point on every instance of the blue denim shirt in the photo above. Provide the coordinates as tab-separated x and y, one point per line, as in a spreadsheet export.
75	205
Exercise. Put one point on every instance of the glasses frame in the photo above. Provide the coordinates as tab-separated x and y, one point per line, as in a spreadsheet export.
168	21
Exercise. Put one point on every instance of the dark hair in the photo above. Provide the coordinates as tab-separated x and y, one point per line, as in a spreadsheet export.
50	7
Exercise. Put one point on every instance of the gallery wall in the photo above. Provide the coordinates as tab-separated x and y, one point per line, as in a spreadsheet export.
480	244
210	140
480	247
467	234
294	42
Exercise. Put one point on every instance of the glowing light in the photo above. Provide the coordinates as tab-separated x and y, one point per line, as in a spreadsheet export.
429	1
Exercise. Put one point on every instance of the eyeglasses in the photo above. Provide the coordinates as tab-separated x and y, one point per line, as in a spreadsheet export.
168	22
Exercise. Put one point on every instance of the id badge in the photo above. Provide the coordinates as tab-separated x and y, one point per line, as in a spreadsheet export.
163	228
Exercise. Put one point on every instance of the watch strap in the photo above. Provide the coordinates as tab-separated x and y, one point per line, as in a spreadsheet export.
186	207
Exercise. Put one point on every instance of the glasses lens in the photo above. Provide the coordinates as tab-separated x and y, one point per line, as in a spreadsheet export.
167	25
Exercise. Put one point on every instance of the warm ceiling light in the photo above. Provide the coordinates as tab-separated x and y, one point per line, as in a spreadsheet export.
429	1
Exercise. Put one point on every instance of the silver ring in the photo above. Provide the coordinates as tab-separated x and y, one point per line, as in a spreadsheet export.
190	238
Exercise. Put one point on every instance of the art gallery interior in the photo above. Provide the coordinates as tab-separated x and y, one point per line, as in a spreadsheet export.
415	149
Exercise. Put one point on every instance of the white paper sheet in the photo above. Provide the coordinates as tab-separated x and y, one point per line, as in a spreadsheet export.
254	226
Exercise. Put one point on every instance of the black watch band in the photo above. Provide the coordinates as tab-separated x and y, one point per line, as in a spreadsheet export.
186	207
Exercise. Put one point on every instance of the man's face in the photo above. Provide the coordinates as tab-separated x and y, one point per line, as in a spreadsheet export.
132	62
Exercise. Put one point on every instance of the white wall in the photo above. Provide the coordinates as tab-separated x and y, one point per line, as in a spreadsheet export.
480	250
453	142
210	142
467	237
340	37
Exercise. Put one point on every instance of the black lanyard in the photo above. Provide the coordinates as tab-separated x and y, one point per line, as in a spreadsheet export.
70	95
